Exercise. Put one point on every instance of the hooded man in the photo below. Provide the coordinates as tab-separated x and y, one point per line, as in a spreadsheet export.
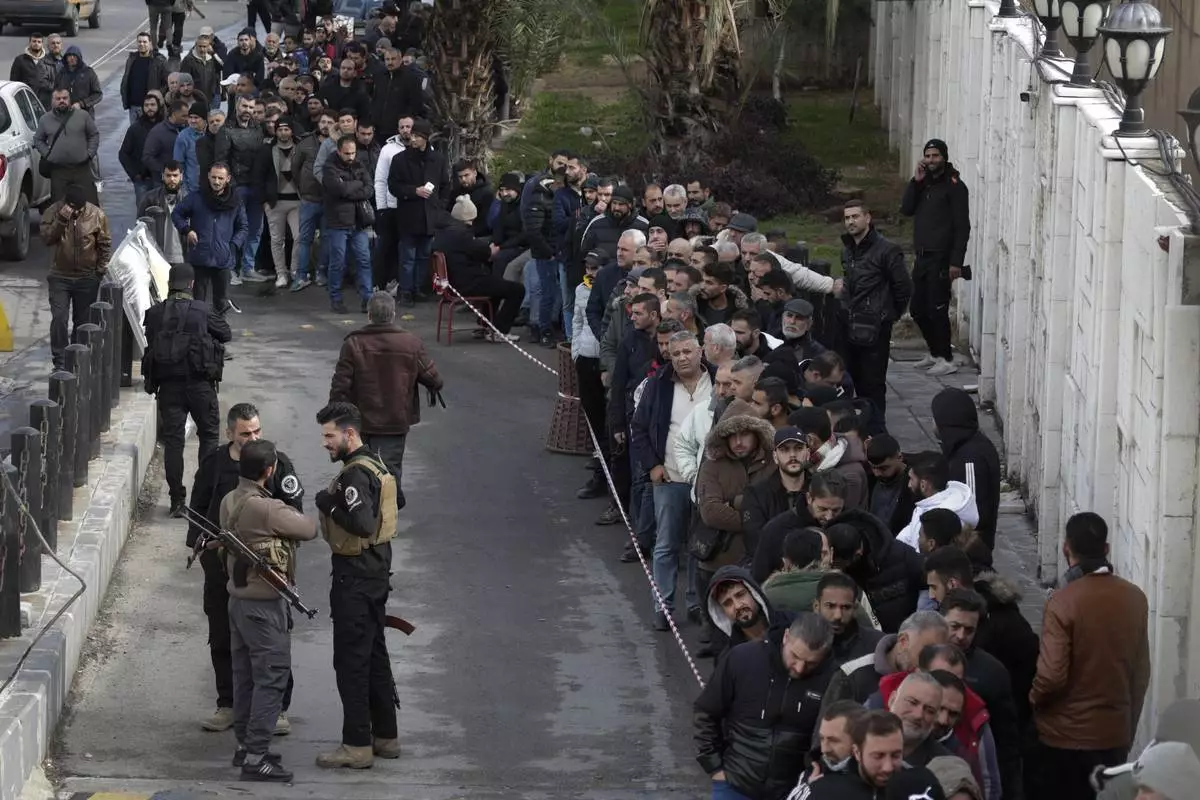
840	454
748	751
889	572
1179	724
68	141
737	607
36	69
929	483
937	200
970	455
80	80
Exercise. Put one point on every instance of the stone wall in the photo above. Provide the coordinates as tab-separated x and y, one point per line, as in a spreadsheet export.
1080	314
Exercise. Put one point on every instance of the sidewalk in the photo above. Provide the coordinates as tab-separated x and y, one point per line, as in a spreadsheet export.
910	394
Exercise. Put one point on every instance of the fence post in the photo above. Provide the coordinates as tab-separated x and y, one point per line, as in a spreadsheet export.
114	295
64	390
79	362
101	314
46	416
10	550
27	455
91	335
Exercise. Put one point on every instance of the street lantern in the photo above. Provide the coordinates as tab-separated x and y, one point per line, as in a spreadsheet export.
1081	21
1191	118
1050	13
1134	40
1008	9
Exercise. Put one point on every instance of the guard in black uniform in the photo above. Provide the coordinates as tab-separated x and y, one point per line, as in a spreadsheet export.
358	519
182	365
216	477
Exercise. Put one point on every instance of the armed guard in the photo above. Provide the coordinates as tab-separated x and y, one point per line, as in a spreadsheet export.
182	365
358	519
217	476
259	619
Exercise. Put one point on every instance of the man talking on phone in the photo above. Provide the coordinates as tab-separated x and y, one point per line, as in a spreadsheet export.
78	232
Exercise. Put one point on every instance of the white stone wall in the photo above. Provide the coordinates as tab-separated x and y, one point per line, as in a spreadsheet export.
1080	314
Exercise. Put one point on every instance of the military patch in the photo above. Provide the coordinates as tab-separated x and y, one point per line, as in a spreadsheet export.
290	485
351	497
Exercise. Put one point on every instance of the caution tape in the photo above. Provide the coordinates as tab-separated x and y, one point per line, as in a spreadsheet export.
442	285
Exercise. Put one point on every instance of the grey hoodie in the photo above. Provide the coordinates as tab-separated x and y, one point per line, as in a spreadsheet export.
1170	768
77	144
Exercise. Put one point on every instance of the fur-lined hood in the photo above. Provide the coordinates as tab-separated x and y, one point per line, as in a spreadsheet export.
738	418
1000	588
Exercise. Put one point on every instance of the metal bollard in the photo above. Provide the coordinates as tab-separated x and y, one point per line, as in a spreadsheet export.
91	335
101	314
46	416
79	363
10	554
64	390
114	295
27	455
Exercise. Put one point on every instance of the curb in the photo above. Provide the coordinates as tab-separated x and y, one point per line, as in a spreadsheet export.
90	545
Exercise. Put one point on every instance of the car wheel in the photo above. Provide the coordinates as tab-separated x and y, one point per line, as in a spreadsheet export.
16	247
71	23
94	17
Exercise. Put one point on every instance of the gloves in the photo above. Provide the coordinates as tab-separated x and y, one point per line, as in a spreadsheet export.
325	501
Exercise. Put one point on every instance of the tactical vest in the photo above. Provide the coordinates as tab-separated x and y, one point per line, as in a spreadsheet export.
275	551
344	543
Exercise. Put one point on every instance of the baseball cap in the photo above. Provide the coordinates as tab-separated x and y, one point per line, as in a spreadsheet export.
742	223
790	434
598	257
207	31
799	307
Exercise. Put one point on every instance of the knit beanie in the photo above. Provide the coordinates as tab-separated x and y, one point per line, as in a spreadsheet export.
939	145
1170	768
198	109
511	180
464	210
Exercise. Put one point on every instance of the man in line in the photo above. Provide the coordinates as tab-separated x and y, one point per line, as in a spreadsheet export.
213	223
238	144
68	140
379	370
145	71
216	477
878	750
937	200
971	456
859	679
931	487
163	199
78	232
259	619
36	69
80	81
419	181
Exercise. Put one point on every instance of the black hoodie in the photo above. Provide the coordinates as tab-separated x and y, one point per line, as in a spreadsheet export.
972	456
777	620
1006	634
890	572
940	207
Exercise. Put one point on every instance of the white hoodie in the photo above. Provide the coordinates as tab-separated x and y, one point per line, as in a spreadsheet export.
957	497
383	198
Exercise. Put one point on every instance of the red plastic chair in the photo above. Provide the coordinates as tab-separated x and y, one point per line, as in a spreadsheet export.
448	301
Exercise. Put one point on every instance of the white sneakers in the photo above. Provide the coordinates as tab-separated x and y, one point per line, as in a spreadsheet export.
943	367
926	362
281	280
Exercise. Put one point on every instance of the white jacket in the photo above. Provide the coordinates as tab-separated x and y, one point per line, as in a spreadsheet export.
690	441
384	198
805	278
583	341
957	497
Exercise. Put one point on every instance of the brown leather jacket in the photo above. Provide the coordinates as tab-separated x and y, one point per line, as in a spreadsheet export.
82	245
1094	664
378	370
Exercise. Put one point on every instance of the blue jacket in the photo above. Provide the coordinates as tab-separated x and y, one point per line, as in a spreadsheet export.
567	202
185	154
652	419
220	225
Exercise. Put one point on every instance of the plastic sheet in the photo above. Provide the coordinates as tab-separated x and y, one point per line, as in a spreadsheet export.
140	269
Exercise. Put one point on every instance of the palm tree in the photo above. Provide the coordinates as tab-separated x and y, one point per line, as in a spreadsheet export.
462	44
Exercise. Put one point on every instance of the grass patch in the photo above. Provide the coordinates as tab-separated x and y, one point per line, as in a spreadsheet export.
555	121
607	20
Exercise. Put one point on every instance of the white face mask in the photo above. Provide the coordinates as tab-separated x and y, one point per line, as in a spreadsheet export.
840	766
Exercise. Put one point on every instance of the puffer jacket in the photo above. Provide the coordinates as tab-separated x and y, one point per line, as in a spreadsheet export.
956	497
219	223
877	284
537	218
972	457
892	574
81	82
238	146
378	370
604	231
723	478
255	517
159	147
346	185
1006	634
755	722
82	245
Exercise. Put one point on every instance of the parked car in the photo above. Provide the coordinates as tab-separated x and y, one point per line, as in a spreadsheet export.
21	185
50	15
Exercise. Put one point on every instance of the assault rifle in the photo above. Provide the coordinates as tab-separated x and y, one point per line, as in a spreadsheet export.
210	533
191	9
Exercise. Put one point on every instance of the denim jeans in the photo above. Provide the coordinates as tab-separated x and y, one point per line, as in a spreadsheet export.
723	791
341	240
641	507
533	292
568	300
414	261
254	223
547	272
672	516
311	214
70	302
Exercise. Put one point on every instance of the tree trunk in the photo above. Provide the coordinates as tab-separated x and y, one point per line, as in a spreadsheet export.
462	44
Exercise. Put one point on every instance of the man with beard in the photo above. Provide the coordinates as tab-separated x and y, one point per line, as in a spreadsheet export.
134	145
774	291
568	202
237	145
470	181
840	601
418	178
928	479
67	141
747	326
159	147
358	520
205	68
771	401
386	269
213	223
817	504
80	80
780	492
798	343
889	572
878	760
654	210
747	753
36	69
78	231
347	185
346	90
247	58
169	194
719	298
606	229
892	500
281	198
917	702
508	232
398	95
145	71
834	751
939	203
833	453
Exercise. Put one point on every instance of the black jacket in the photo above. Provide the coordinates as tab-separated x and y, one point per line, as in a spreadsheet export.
989	679
482	195
206	75
203	317
636	354
972	456
538	218
847	785
238	147
603	286
217	476
411	169
238	63
878	285
756	722
893	502
941	211
134	145
1006	634
467	256
267	177
858	678
397	94
784	361
354	96
855	642
156	79
604	231
768	551
508	231
81	82
890	572
346	185
38	74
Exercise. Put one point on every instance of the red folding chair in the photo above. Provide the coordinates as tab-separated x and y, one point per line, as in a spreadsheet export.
448	301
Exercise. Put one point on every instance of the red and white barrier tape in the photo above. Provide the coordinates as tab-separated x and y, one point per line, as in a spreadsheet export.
442	286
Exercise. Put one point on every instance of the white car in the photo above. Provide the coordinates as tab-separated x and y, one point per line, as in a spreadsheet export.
21	185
